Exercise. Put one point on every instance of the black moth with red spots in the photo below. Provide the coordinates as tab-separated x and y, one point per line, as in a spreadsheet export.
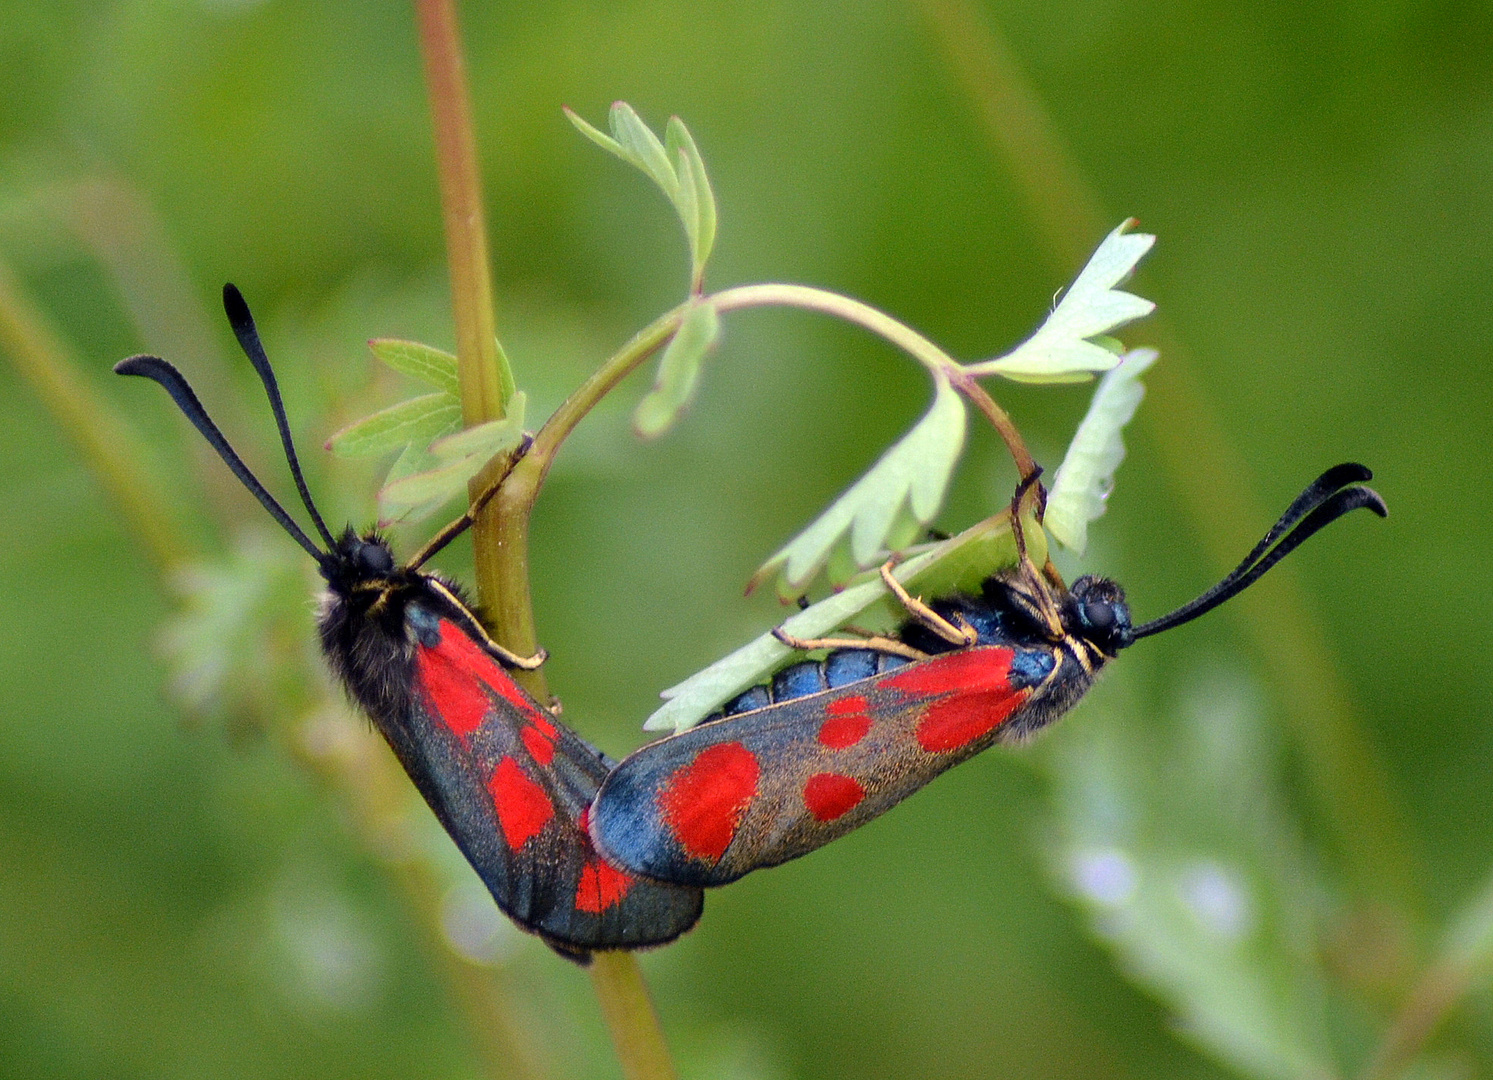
828	745
509	783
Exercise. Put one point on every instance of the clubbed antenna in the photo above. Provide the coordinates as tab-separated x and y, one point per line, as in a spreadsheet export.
153	367
248	338
1328	498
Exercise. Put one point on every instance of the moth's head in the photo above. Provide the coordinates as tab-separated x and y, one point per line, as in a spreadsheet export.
358	561
1097	612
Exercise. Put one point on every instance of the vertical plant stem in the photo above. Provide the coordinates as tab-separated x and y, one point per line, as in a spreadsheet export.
108	446
1348	781
630	1017
500	534
485	381
500	548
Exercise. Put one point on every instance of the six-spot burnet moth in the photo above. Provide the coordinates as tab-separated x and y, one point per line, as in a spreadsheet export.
830	744
510	784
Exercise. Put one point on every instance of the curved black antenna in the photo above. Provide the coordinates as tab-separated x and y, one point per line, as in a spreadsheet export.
1328	498
248	338
153	367
438	542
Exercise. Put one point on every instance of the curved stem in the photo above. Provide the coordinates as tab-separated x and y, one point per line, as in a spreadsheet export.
899	334
521	488
842	307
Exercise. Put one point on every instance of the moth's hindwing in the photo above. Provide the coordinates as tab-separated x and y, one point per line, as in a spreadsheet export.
513	787
759	788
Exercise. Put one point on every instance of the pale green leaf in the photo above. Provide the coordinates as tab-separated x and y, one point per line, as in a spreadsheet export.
958	564
910	478
1060	350
449	464
485	440
596	135
414	497
633	143
678	371
415	459
226	645
691	170
674	165
688	210
1087	474
643	148
418	420
428	364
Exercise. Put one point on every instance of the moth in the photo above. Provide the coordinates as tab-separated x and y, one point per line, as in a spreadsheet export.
829	744
509	782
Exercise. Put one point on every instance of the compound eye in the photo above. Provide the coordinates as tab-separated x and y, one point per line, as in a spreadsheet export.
1100	616
375	558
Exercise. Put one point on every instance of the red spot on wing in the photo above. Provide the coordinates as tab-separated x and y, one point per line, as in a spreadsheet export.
970	670
977	695
457	699
829	795
704	801
963	719
601	886
540	748
847	706
524	809
456	672
838	732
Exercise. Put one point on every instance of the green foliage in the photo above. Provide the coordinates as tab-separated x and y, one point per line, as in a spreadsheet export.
419	420
884	510
1072	342
434	366
959	563
678	371
425	483
1177	844
1087	475
165	892
436	457
231	648
674	165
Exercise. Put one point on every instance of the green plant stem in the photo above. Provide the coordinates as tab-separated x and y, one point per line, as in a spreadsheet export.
522	487
882	324
485	379
486	382
513	624
500	533
109	447
630	1017
1347	779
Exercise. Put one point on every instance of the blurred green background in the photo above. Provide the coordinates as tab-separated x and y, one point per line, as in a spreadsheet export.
181	896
